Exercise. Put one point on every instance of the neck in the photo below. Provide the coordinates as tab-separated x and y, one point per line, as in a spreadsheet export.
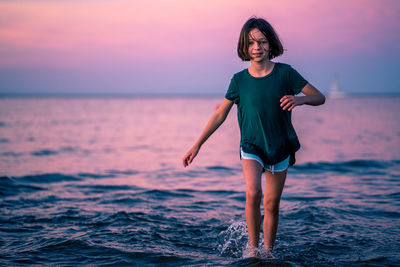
261	68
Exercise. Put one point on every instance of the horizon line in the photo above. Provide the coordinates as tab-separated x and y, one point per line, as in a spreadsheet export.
149	95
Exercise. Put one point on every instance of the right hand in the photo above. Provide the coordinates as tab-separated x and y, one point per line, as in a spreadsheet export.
190	155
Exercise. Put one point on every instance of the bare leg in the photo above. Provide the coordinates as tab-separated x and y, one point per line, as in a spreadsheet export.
272	197
252	171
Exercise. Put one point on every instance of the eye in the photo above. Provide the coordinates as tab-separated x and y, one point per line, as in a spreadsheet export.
251	42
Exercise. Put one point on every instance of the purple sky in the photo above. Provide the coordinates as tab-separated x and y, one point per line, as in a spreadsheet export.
189	47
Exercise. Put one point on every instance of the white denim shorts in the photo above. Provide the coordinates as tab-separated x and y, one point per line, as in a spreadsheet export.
278	167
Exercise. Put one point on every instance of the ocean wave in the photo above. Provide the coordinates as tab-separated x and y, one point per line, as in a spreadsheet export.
357	165
95	188
12	154
108	174
44	152
47	178
11	187
164	194
51	152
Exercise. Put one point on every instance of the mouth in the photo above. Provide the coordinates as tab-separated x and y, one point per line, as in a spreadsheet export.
257	54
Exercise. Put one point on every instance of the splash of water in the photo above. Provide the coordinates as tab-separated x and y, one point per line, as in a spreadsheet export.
234	243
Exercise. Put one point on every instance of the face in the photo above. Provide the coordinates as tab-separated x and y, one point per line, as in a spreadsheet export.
258	46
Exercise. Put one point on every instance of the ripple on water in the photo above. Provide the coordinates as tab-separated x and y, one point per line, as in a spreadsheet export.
11	187
325	222
47	178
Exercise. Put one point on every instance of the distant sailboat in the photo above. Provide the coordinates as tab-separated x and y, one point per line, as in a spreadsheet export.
335	91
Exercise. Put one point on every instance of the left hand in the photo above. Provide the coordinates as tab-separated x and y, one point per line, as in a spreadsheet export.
290	101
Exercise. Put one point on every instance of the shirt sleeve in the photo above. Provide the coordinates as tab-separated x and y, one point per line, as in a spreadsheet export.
296	81
233	91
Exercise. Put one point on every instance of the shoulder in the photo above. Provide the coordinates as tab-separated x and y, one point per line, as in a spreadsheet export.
240	74
283	66
286	70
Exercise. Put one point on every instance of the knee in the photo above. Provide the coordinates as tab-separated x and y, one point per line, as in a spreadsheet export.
253	196
271	205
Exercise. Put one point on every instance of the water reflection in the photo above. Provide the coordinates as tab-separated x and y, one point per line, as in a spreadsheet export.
91	177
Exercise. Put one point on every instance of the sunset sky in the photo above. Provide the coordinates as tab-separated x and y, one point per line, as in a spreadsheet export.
189	47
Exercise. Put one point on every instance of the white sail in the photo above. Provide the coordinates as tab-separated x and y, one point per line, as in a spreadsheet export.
335	91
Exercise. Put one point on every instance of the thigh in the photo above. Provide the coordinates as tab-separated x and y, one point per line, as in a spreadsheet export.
274	184
252	171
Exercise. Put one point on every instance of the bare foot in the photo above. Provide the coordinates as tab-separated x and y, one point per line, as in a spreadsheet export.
252	252
267	254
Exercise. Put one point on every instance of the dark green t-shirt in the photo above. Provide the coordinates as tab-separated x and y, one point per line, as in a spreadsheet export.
266	130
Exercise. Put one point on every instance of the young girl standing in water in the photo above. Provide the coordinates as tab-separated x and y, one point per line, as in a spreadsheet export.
265	96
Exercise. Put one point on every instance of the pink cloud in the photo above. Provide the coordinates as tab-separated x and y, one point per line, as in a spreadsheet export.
96	32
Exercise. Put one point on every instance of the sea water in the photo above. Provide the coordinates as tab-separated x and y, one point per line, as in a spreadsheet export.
99	181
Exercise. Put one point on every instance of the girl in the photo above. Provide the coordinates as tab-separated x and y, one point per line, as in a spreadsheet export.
265	96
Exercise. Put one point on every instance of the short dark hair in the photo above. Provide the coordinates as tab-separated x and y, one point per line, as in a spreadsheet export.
276	48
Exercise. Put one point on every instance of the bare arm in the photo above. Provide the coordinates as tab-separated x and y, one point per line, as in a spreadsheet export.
312	97
215	121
